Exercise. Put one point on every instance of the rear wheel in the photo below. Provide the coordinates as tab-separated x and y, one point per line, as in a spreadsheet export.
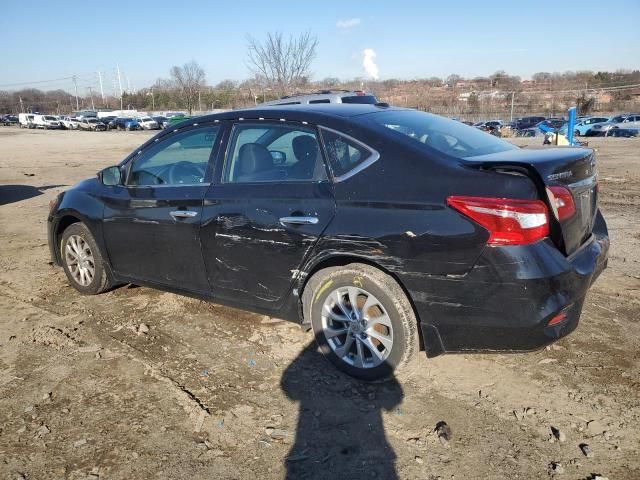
362	320
82	261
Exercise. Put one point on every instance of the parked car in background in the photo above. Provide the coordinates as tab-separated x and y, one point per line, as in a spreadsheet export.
326	96
47	122
147	123
553	123
382	229
489	123
177	119
26	120
161	120
125	123
584	125
627	120
108	121
91	124
69	123
528	132
526	122
9	120
624	132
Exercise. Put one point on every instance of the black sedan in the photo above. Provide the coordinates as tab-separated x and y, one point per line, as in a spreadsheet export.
382	229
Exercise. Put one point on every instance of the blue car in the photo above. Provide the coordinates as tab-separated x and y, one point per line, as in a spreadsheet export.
123	123
583	125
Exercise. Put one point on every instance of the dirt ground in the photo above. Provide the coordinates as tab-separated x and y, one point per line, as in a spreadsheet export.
138	383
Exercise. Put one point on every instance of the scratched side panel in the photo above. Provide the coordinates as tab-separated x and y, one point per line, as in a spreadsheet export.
250	256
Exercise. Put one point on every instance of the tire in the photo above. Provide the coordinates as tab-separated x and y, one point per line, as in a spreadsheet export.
395	322
77	238
576	133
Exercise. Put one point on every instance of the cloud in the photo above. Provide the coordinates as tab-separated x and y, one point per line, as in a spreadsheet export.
369	64
349	23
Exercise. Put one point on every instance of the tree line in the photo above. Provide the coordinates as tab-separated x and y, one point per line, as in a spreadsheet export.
281	66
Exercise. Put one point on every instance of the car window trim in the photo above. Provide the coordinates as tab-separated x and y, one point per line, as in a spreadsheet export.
370	160
194	126
268	121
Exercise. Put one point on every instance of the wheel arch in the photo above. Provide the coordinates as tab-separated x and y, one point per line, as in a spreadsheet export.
342	260
67	218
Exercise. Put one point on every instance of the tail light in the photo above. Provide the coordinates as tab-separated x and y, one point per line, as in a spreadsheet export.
509	221
562	202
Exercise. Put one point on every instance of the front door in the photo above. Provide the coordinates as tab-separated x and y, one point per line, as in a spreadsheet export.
151	224
265	214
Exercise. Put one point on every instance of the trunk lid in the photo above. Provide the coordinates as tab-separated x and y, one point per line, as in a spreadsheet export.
573	168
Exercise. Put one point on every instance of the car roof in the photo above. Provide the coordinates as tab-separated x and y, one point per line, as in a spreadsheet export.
300	112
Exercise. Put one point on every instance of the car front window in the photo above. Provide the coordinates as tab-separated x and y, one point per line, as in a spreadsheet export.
181	159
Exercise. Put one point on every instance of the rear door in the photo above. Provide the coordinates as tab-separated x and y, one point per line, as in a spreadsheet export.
272	202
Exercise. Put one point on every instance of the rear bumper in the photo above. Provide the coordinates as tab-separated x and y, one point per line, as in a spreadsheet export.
506	301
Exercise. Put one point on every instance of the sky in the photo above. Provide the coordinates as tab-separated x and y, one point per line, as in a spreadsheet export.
388	39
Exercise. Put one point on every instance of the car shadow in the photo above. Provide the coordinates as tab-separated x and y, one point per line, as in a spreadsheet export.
340	431
17	193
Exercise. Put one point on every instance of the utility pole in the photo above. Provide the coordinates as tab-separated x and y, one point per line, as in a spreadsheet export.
120	85
101	89
119	80
199	102
513	94
21	105
128	85
153	100
75	83
91	94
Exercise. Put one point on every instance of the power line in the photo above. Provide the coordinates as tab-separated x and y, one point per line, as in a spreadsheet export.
83	75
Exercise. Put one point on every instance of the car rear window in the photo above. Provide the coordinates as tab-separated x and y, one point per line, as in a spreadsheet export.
442	134
366	99
346	155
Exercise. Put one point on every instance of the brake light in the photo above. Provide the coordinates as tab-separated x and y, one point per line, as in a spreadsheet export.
561	201
509	221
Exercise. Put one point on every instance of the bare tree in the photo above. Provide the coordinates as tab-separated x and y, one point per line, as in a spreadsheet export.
283	63
189	79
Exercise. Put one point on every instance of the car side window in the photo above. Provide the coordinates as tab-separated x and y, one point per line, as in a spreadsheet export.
345	155
273	153
181	159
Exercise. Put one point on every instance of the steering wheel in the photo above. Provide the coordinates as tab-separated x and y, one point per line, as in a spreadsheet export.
185	172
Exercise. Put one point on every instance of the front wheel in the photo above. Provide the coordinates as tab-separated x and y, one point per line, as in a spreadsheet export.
82	261
362	320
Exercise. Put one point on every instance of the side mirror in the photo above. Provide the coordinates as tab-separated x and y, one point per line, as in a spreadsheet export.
278	157
110	176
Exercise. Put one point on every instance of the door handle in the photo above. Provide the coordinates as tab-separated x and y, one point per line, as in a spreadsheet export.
298	220
183	214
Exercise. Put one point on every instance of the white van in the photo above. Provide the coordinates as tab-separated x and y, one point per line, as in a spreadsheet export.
46	121
26	120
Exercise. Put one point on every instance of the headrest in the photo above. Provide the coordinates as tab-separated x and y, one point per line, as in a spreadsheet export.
253	158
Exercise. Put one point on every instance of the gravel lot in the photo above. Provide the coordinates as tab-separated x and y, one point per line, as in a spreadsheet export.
138	383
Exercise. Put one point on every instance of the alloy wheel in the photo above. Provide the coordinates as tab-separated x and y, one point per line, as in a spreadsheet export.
357	327
79	260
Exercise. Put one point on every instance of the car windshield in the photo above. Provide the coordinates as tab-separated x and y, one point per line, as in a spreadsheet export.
447	136
49	118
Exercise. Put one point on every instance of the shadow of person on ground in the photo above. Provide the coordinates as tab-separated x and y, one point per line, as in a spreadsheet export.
340	432
16	193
